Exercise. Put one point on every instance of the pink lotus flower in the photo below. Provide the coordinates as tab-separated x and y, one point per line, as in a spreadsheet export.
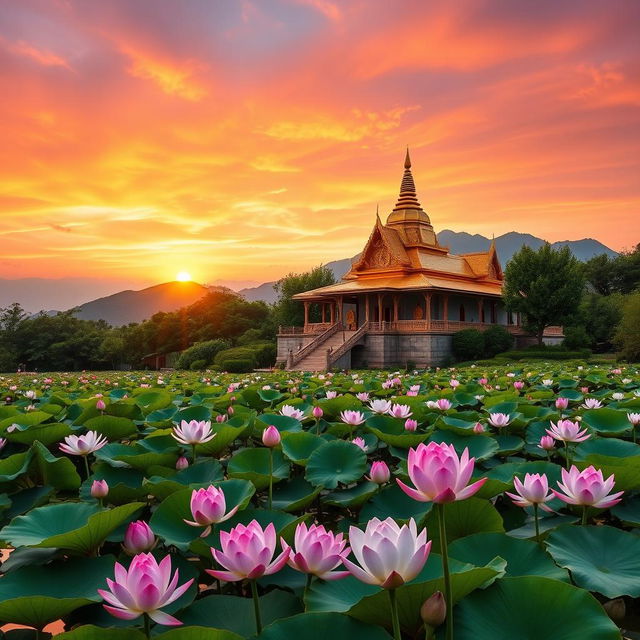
380	406
317	413
633	418
453	383
291	412
138	538
410	424
442	404
83	445
562	403
181	463
207	508
499	420
99	489
388	555
439	475
360	443
271	437
533	491
331	395
317	552
220	418
401	411
482	381
193	432
478	427
518	385
247	552
3	442
591	403
587	488
568	431
352	418
363	396
145	588
100	405
379	473
547	443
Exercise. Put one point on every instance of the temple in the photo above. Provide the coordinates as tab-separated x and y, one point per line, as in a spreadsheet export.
401	301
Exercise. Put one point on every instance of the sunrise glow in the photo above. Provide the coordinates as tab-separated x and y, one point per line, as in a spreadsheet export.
183	276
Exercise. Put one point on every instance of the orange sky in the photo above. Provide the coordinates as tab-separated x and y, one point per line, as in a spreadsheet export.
242	140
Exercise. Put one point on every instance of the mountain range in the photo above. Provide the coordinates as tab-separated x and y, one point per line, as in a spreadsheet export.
134	306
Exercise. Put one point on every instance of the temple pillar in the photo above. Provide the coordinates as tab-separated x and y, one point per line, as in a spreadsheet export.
366	307
340	310
380	310
395	308
332	312
306	313
445	307
480	309
322	311
427	308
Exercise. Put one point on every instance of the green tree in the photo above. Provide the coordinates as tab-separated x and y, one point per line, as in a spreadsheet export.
628	334
545	286
290	312
601	273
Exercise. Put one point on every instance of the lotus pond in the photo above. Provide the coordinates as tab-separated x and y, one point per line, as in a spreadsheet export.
322	505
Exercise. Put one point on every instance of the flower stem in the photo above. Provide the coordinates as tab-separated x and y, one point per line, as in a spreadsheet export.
445	570
568	457
317	426
193	453
86	466
147	626
270	477
307	586
535	519
584	514
256	606
395	620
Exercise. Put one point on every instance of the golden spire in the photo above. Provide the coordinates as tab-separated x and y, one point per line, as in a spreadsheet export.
407	198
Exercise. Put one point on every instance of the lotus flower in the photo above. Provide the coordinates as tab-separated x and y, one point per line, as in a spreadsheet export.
3	442
547	443
145	588
360	443
247	552
587	488
352	418
317	412
453	383
207	508
400	411
518	385
363	396
181	463
271	437
568	431
379	473
533	491
410	424
317	552
439	475
478	427
291	412
138	538
331	395
99	489
83	445
194	432
591	403
499	420
387	555
380	406
634	418
562	403
443	404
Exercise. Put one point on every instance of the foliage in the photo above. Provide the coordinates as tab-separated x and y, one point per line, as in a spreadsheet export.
628	335
237	365
260	354
496	340
468	344
545	354
599	315
607	275
576	338
202	351
544	285
289	312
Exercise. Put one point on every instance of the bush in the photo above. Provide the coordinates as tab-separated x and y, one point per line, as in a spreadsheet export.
545	354
496	340
628	334
198	365
468	344
261	354
201	351
576	338
238	365
250	336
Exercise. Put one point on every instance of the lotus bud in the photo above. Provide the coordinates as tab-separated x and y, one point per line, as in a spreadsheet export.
379	472
181	463
99	489
271	437
138	538
478	428
317	412
562	403
434	610
547	443
100	405
221	418
410	424
519	385
230	410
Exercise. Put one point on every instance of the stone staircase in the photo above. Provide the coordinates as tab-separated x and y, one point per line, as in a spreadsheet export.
316	360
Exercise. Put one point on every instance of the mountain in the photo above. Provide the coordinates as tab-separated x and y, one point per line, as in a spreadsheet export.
136	306
461	242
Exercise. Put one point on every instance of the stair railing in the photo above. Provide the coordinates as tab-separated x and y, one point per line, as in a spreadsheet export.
321	338
336	354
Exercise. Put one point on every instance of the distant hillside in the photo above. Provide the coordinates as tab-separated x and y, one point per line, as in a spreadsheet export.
136	306
461	242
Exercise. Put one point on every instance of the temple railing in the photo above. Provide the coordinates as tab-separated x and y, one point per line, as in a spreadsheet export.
335	355
448	326
296	357
310	328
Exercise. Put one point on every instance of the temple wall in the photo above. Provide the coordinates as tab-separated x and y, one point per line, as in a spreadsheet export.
291	342
382	351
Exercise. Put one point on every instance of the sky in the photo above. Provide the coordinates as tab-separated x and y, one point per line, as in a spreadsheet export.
242	140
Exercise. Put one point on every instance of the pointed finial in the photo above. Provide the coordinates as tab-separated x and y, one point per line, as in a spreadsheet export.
407	160
492	246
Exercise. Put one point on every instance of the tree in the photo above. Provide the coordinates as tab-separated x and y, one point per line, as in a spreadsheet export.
628	335
290	312
545	286
600	273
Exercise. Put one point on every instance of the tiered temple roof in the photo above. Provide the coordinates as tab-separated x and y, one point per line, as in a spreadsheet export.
404	254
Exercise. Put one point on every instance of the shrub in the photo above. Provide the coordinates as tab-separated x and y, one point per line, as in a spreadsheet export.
238	365
261	354
250	336
496	340
545	354
201	351
468	344
628	334
576	338
198	365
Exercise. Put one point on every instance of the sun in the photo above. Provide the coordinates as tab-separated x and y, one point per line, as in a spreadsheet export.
183	276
